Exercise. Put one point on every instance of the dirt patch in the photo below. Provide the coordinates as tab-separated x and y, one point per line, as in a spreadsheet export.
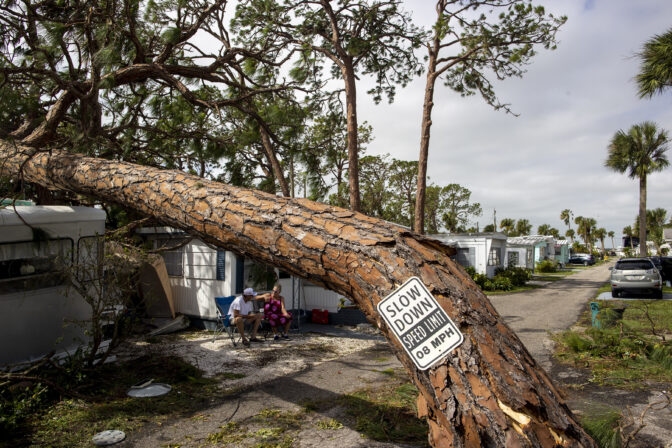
315	390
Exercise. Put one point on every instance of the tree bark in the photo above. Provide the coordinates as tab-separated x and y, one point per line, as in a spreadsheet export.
488	392
427	106
353	146
273	160
642	216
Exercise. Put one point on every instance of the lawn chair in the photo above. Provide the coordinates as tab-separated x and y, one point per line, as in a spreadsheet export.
224	318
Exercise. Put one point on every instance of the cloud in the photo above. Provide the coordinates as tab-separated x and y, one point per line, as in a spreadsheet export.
571	102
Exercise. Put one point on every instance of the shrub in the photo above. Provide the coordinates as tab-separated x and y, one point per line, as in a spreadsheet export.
502	283
547	266
518	276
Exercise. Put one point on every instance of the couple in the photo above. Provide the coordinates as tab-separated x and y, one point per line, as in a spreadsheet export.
242	311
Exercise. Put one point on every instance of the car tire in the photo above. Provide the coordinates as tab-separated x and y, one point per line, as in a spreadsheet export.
615	293
658	295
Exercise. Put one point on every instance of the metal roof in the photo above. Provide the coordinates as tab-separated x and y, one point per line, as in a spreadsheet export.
47	214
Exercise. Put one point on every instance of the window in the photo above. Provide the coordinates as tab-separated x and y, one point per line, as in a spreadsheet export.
513	259
494	258
174	257
30	265
465	256
90	251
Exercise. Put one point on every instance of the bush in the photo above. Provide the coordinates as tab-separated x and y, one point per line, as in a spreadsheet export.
517	276
502	283
547	266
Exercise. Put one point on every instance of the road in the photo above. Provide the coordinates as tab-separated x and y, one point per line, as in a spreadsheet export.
533	314
537	313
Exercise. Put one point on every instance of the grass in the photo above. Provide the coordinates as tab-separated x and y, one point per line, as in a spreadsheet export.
603	428
625	352
513	291
72	422
331	424
387	413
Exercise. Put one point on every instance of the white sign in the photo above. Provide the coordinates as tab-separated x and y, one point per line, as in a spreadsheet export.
421	325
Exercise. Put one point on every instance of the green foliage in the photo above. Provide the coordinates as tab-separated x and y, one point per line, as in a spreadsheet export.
517	275
504	279
498	40
547	266
624	350
455	209
603	428
655	73
17	403
640	151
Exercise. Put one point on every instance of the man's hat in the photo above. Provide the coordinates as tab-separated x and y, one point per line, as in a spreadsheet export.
249	292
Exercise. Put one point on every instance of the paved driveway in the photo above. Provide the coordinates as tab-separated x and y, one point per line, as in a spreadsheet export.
556	307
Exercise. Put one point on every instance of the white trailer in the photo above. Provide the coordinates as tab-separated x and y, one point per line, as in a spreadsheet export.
37	313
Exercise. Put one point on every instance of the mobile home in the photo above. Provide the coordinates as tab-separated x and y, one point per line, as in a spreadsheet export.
38	314
199	272
483	251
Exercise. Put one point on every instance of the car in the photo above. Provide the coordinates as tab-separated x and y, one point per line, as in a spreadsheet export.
658	264
584	259
666	262
636	275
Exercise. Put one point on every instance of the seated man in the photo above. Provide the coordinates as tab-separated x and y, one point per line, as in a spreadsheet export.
241	311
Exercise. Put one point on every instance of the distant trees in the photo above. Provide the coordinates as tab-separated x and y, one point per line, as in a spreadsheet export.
656	221
611	234
627	231
639	152
388	192
570	233
601	234
457	210
566	217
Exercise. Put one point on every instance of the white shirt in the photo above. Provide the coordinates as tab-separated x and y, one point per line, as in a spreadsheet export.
244	308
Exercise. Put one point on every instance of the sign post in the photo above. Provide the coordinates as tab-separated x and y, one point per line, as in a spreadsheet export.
421	325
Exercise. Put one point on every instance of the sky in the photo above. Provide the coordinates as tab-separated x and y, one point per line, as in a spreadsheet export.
570	102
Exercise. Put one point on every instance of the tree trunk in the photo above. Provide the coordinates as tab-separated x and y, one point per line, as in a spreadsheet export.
353	146
488	392
273	160
642	216
425	128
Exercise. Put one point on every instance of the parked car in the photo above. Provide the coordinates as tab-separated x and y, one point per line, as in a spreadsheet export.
666	262
658	264
584	259
636	275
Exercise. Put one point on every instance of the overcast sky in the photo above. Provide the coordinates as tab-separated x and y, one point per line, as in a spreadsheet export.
571	101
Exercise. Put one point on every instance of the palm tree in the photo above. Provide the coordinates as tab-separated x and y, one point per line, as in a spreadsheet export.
601	234
627	231
566	217
611	234
656	220
523	227
555	233
590	225
580	228
655	73
570	234
507	225
640	152
544	229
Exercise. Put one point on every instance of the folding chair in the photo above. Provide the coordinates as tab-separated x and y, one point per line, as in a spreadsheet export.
223	318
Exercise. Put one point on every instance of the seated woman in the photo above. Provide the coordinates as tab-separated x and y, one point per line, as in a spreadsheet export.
276	314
